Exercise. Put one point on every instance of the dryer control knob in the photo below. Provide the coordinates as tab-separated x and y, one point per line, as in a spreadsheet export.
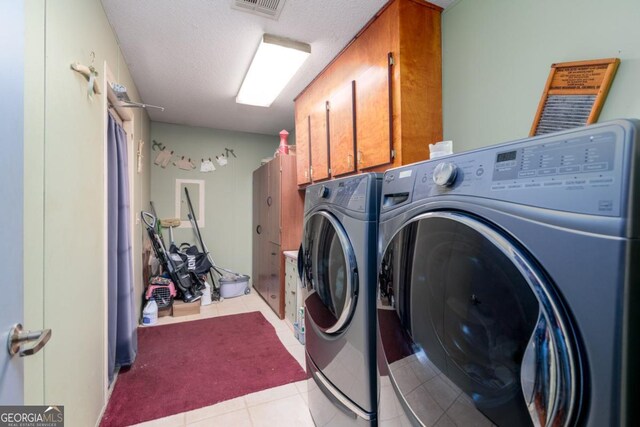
445	174
323	192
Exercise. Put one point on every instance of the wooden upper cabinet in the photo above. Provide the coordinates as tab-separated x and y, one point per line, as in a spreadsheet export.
398	103
318	140
373	116
341	130
373	91
417	82
303	164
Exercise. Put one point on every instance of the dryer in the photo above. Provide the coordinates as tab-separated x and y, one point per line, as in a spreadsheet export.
337	261
507	283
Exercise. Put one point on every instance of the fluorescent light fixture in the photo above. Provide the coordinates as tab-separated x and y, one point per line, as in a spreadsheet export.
276	61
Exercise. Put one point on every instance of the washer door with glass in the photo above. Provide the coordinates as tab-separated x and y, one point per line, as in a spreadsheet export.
329	273
471	330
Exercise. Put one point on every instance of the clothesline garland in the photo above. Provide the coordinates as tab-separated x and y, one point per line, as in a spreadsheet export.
167	157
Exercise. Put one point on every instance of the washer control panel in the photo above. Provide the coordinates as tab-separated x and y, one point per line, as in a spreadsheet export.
352	193
557	159
580	171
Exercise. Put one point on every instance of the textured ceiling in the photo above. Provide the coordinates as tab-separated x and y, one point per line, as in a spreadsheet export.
190	56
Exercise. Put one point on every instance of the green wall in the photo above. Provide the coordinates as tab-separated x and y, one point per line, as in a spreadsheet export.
228	190
497	55
65	215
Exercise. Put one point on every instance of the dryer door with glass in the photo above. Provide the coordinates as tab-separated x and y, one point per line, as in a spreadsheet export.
329	274
472	331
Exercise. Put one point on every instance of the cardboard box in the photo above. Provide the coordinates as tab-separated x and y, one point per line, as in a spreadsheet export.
181	308
164	311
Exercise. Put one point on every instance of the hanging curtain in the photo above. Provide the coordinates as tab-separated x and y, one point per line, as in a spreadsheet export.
123	339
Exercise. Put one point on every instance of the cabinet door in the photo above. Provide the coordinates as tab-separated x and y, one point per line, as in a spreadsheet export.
318	141
302	149
273	294
373	111
255	237
272	201
260	176
341	130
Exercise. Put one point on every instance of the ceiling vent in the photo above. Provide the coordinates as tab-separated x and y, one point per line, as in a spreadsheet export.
266	8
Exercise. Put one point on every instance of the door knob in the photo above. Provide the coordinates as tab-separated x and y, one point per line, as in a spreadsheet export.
18	339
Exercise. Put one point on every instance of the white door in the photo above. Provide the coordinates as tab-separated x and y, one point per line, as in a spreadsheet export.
11	193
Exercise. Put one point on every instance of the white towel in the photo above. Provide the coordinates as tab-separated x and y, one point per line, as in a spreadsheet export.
207	166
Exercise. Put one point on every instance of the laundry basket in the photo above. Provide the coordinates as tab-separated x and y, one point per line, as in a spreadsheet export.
234	286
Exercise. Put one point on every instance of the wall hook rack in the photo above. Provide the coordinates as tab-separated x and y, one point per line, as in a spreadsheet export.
89	73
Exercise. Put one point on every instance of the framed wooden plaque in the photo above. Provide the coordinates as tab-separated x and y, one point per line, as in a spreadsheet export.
574	94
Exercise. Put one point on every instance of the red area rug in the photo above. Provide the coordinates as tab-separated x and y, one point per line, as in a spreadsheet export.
189	365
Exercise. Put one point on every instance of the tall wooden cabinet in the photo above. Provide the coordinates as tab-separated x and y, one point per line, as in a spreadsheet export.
277	226
378	104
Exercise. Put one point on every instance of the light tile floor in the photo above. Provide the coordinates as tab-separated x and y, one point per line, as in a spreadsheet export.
279	406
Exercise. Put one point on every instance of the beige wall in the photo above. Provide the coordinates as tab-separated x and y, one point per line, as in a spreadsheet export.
65	203
497	55
228	199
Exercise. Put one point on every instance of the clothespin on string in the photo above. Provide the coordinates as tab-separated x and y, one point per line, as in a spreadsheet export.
157	144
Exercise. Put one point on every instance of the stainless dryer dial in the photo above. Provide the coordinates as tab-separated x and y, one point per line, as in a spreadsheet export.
445	174
323	192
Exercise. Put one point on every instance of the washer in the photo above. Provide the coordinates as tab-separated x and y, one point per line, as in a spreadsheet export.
507	283
338	264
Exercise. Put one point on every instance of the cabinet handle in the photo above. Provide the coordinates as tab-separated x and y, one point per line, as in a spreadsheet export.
259	229
390	84
269	201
